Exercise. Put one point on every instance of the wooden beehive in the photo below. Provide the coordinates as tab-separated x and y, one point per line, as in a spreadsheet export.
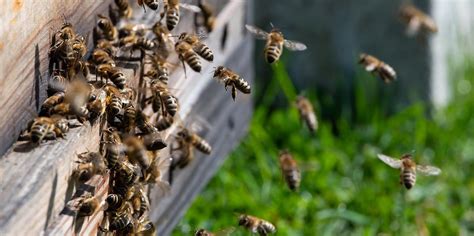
35	184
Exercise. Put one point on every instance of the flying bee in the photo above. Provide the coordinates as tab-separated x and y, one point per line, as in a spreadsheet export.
223	232
181	153
51	102
172	12
306	110
290	170
194	139
156	172
187	54
379	68
87	205
232	79
107	29
416	20
77	95
98	106
408	168
160	68
275	42
163	39
152	4
256	225
124	8
137	152
199	47
206	18
89	164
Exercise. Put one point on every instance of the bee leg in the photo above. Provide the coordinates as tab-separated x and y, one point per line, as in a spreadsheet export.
234	92
24	136
184	67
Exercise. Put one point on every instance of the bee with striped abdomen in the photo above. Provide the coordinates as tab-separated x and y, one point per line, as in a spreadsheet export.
408	168
152	4
379	68
290	170
275	43
124	9
230	78
256	225
306	111
199	47
187	54
89	164
87	205
105	29
50	103
42	128
172	12
206	18
197	141
416	20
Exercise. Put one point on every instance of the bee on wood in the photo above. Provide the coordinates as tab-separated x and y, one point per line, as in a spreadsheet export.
206	18
408	168
199	47
124	9
57	83
135	42
98	105
129	119
290	170
275	42
187	54
307	114
416	20
195	140
122	223
46	128
113	73
113	202
51	102
107	46
105	29
172	12
139	201
87	205
113	100
230	78
113	155
379	68
256	225
224	232
102	56
89	164
126	175
152	4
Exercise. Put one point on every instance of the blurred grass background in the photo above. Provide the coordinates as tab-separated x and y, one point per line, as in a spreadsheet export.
345	189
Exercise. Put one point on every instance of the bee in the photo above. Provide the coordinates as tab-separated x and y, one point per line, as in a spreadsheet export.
89	164
181	154
206	18
196	141
129	121
290	170
164	122
46	128
57	83
126	176
87	205
113	202
199	47
163	39
306	110
113	73
107	46
152	4
113	100
172	12
77	95
416	20
140	202
98	105
124	8
102	56
143	123
107	28
377	67
232	79
163	99
135	42
51	102
408	168
153	142
156	172
160	69
275	42
187	54
137	152
122	223
203	232
144	227
256	225
113	155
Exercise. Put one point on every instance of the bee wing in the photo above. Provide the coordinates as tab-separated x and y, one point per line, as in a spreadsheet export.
294	45
392	162
259	33
428	170
190	7
225	232
413	26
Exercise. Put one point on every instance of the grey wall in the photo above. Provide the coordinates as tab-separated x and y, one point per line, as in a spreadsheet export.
336	31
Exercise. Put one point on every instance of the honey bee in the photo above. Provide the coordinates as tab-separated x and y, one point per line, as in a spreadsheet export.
113	202
172	12
206	18
256	225
306	110
124	8
42	128
199	47
153	142
232	79
152	4
139	201
129	120
113	155
290	170
377	67
163	38
113	100
163	99
107	46
87	205
196	141
181	153
186	54
98	106
101	56
113	73
160	69
144	227
122	223
107	28
144	124
408	168
416	20
89	164
57	82
164	122
275	43
203	232
126	175
50	103
137	152
156	172
135	42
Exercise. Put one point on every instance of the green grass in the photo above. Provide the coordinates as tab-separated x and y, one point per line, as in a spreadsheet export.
345	189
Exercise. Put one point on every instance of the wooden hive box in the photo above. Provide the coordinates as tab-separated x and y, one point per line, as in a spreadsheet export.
35	184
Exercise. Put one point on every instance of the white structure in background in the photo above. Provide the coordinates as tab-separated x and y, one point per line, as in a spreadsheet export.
449	46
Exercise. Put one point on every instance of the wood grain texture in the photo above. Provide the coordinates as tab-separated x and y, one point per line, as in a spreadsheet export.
35	185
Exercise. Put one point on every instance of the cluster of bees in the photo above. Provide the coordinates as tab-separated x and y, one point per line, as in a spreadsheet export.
130	138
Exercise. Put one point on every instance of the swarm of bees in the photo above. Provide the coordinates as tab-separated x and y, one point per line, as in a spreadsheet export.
130	137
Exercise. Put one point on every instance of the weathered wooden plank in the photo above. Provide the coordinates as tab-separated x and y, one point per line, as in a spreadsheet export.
35	185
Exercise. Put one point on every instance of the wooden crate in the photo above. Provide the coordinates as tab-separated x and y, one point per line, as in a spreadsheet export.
35	184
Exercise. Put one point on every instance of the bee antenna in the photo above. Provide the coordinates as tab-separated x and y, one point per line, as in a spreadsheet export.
271	24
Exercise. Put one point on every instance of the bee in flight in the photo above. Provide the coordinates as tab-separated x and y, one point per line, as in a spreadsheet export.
377	67
416	20
232	79
256	225
408	168
275	42
290	171
306	110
